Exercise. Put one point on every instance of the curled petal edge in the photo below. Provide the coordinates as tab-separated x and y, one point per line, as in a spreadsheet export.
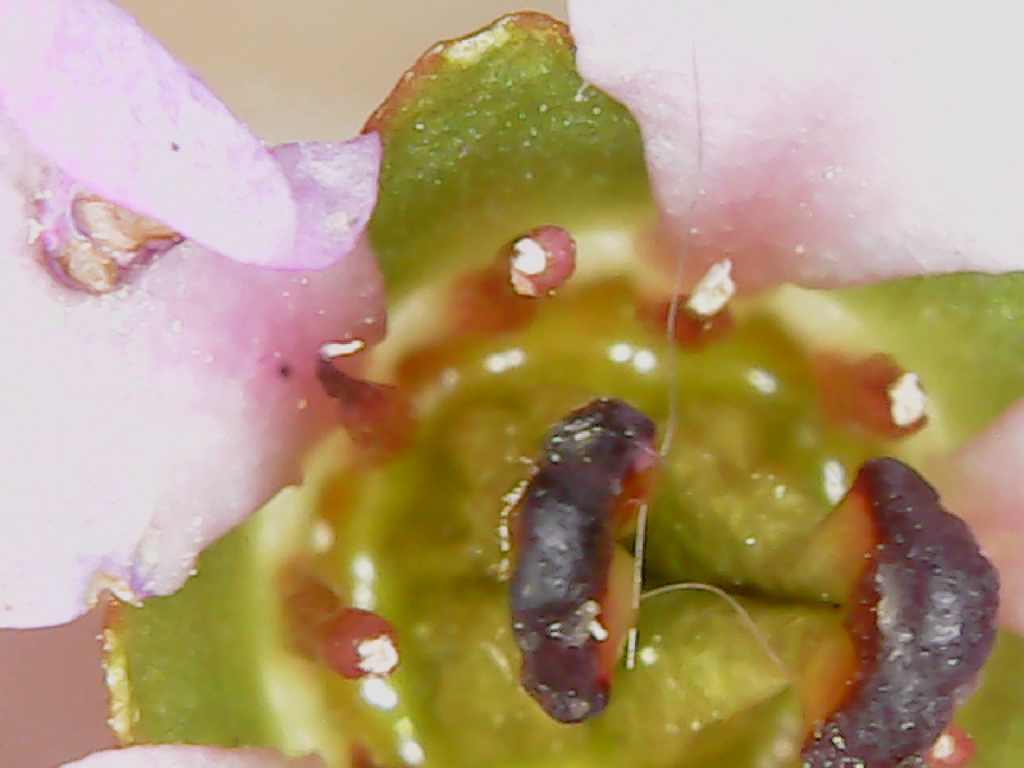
107	104
192	390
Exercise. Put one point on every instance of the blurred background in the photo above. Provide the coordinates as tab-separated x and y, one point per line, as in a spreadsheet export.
314	74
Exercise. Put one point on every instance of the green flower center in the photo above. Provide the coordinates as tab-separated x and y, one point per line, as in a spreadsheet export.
753	468
486	140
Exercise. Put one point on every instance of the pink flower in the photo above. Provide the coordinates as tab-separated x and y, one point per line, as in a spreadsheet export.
145	422
834	146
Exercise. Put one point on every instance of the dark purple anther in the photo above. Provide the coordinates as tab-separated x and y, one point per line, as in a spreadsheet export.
923	621
586	486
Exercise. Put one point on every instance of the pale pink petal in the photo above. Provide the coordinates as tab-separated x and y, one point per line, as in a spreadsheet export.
191	757
841	142
141	424
984	482
836	143
91	91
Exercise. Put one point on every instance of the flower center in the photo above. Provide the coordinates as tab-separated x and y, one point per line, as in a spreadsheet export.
759	458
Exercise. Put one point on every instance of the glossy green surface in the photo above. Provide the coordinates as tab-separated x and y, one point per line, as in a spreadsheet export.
418	539
496	135
963	333
994	717
191	664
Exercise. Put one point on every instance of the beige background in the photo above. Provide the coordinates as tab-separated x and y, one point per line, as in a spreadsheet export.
310	75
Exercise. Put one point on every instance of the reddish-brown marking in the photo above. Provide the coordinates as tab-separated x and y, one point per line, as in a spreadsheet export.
559	261
482	304
479	305
378	417
855	393
688	330
424	72
344	639
360	757
322	628
308	604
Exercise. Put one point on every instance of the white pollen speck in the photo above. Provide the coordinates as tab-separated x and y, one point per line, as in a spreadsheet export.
907	401
332	349
712	291
377	656
597	630
944	747
800	249
833	480
176	326
530	258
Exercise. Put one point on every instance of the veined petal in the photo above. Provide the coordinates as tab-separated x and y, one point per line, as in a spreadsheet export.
836	143
109	106
191	757
143	423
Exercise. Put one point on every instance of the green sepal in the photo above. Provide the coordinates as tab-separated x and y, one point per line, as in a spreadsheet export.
185	666
492	135
962	333
994	716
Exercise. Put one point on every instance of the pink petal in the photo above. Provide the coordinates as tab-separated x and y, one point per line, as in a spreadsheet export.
109	106
983	482
841	142
142	424
191	757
